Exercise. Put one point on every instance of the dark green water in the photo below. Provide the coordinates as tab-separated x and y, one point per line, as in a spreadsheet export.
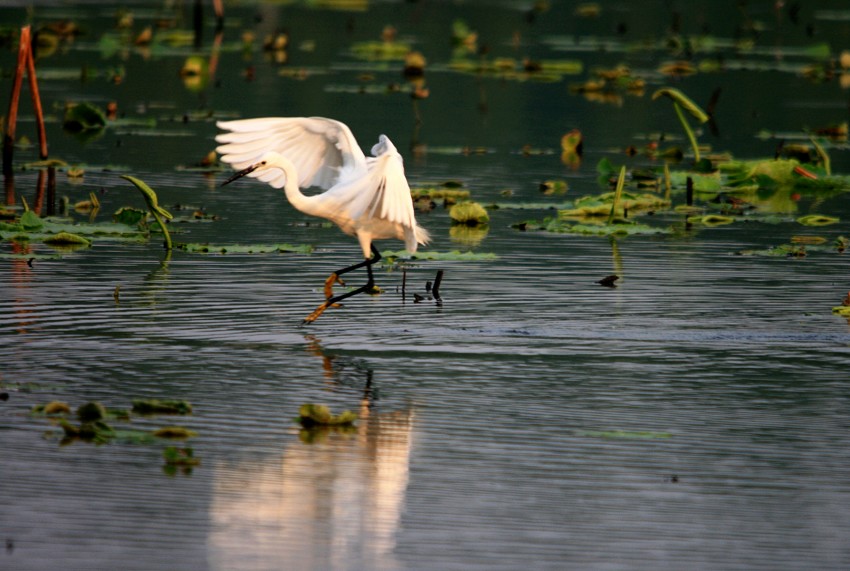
694	417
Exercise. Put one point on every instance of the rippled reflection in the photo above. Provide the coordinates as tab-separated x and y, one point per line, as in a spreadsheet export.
334	498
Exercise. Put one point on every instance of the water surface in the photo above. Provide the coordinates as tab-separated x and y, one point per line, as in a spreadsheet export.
695	416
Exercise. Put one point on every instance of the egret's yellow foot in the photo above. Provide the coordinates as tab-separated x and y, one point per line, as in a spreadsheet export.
316	313
329	285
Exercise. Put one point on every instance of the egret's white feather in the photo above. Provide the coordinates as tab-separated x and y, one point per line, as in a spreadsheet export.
366	197
326	149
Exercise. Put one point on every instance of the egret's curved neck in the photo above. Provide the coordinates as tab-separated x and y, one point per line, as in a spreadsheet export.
293	194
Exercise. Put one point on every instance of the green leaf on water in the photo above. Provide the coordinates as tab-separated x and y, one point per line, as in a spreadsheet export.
781	251
156	406
66	239
129	216
174	433
30	221
469	213
245	248
711	220
83	117
175	456
817	220
455	255
310	415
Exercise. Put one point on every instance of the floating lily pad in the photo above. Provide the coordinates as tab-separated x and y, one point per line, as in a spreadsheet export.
245	248
129	216
66	239
310	415
469	213
83	117
441	256
781	251
185	457
817	220
711	220
156	406
52	408
616	228
589	206
174	432
451	195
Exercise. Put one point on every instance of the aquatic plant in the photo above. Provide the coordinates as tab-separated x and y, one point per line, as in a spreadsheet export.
681	101
182	457
618	192
454	256
25	65
469	213
244	248
157	406
155	209
311	415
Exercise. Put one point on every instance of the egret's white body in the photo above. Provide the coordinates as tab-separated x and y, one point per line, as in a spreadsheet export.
366	197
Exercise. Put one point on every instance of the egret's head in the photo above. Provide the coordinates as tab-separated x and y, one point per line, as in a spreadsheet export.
268	160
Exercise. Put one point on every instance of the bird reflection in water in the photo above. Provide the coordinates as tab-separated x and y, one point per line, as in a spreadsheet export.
335	498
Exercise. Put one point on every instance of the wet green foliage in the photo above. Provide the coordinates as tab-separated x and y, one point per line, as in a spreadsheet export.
157	406
83	117
245	248
182	457
456	256
96	424
66	239
160	214
616	228
449	195
469	214
312	415
797	249
174	433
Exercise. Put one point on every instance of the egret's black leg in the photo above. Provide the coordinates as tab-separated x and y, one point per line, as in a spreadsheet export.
331	299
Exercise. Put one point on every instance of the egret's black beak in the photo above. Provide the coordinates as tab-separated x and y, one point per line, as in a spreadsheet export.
243	172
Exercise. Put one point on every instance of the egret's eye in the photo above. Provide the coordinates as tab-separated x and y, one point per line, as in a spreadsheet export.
263	163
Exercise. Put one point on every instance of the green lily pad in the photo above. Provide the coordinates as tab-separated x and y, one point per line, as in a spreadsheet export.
817	220
469	213
447	256
83	117
156	406
66	239
174	432
185	457
129	216
30	221
310	415
711	220
245	248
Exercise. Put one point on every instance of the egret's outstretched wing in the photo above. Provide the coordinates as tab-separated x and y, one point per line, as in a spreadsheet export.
382	196
323	150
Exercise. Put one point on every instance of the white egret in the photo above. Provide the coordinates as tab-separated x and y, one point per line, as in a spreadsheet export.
366	197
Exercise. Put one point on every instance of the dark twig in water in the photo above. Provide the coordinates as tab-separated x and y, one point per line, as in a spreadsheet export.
435	291
403	283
